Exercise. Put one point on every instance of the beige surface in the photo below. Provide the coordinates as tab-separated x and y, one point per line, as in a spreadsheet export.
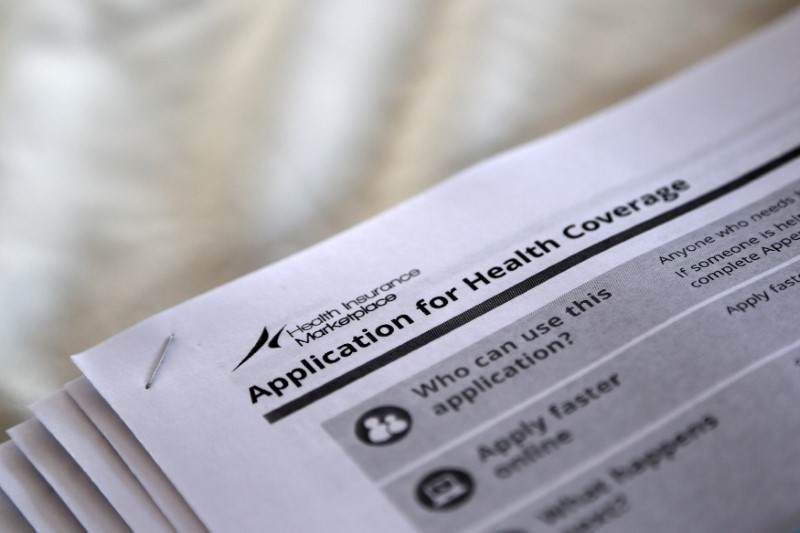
151	150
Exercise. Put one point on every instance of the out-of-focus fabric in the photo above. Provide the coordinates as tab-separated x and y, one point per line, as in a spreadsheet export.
151	150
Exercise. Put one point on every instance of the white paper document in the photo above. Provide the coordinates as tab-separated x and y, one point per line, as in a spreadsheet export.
65	421
66	478
31	495
594	332
134	455
11	516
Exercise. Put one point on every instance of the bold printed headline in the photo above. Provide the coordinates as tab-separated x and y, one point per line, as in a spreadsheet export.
306	371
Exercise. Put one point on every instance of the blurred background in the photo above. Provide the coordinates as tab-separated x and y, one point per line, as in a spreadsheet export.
152	150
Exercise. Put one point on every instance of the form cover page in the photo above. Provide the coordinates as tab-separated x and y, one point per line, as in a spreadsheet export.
596	331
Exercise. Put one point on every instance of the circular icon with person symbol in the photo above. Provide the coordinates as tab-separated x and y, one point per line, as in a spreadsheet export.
383	425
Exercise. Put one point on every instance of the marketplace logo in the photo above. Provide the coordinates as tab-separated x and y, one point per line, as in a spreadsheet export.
262	340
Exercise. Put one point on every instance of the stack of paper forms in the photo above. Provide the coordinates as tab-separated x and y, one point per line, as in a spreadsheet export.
595	331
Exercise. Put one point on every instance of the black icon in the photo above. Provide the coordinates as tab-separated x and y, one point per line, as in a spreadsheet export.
383	425
273	343
445	489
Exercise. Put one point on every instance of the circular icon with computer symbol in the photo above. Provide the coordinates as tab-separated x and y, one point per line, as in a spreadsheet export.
445	489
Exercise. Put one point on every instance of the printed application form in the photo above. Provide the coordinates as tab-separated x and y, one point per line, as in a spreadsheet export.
65	421
134	455
66	478
31	495
596	330
10	515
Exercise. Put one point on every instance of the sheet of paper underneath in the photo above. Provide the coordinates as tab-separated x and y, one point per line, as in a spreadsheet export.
32	495
66	478
134	455
11	517
65	421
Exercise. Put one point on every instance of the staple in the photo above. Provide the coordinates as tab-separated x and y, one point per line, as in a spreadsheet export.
164	352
